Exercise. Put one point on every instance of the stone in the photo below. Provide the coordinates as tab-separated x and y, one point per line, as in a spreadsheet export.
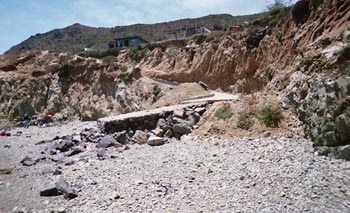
75	150
76	138
168	133
140	137
57	172
54	189
106	141
181	129
58	157
27	161
330	139
343	152
61	210
101	153
65	145
200	110
342	123
158	132
196	116
46	170
179	113
121	137
154	141
70	193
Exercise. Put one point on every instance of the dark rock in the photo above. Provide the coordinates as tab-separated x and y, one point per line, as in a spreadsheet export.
69	163
342	123
181	129
300	11
65	145
154	141
27	161
168	133
8	67
38	73
343	152
75	150
121	137
54	189
330	139
253	40
200	110
70	193
106	141
57	172
5	171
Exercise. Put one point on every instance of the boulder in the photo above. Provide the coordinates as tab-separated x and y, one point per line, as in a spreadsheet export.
343	152
168	133
158	132
121	137
181	129
140	137
179	113
342	123
106	141
65	145
58	157
54	189
154	141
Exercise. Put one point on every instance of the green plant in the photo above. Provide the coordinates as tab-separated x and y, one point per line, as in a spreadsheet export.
224	112
270	114
107	58
126	76
245	121
343	54
156	90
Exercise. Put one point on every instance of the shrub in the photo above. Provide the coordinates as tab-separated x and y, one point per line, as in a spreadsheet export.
245	121
343	54
156	90
159	61
270	114
315	4
126	76
224	112
107	58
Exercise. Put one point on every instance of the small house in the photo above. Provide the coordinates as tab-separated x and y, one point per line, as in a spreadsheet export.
129	41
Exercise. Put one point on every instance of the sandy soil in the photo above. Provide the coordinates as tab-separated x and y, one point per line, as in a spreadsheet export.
275	174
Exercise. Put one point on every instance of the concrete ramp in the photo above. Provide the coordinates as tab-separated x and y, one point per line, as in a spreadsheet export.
146	119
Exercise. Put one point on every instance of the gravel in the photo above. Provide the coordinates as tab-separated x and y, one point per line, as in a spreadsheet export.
275	174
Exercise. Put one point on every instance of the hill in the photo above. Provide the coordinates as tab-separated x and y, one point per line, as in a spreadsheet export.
77	36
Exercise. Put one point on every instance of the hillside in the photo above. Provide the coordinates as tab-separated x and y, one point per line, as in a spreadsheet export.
77	36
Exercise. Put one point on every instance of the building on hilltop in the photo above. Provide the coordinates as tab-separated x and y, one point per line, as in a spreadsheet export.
132	41
185	32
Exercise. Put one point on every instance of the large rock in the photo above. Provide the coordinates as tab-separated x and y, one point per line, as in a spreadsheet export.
342	123
181	129
106	141
55	189
155	141
140	137
343	152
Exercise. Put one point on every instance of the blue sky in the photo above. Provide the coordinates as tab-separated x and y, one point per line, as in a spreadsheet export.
19	19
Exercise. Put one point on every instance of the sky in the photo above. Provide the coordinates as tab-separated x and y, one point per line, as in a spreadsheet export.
20	19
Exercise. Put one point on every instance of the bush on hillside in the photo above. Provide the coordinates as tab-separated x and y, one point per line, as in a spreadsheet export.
224	112
270	114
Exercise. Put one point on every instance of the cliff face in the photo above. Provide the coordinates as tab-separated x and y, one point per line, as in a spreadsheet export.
228	63
305	64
